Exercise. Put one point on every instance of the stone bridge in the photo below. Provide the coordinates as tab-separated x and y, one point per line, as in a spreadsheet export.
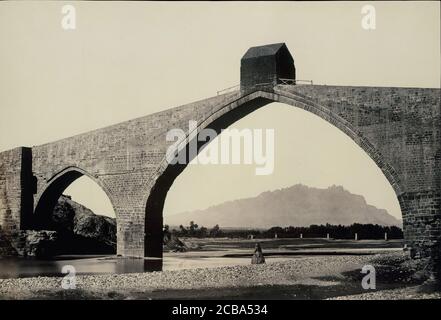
399	128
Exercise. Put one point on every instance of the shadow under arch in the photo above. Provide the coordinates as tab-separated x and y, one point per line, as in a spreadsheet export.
225	116
56	185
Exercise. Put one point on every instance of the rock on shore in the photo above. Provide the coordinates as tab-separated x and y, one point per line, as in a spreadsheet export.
32	243
73	229
73	217
6	248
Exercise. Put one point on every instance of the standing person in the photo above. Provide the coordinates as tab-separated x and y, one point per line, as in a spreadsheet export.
258	257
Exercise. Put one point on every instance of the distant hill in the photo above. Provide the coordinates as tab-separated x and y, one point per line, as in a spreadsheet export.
298	205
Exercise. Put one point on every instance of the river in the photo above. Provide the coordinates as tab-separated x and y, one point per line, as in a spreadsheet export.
232	252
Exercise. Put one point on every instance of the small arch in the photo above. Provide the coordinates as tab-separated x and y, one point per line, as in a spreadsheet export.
48	198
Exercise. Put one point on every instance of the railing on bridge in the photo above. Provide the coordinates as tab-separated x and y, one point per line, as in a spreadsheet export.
257	85
229	89
294	81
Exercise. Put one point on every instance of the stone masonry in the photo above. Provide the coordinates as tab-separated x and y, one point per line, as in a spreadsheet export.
399	128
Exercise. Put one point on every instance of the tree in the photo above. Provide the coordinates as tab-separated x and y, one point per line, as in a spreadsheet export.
183	231
193	226
203	232
215	231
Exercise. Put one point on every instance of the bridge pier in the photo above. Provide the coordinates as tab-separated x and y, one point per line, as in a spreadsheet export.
130	216
421	221
130	235
422	227
16	189
141	237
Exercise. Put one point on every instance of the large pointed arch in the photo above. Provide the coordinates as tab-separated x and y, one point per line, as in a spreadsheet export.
224	116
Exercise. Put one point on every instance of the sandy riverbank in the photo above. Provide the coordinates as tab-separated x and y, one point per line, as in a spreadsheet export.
303	278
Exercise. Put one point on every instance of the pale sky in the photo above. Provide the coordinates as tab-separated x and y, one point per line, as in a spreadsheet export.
130	59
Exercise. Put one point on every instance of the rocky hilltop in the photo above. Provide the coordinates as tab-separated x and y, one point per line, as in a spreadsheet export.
73	229
298	205
88	230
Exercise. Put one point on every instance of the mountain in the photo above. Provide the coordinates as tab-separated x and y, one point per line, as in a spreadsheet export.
298	205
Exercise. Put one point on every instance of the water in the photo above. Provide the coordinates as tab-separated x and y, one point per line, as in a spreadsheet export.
218	253
21	268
